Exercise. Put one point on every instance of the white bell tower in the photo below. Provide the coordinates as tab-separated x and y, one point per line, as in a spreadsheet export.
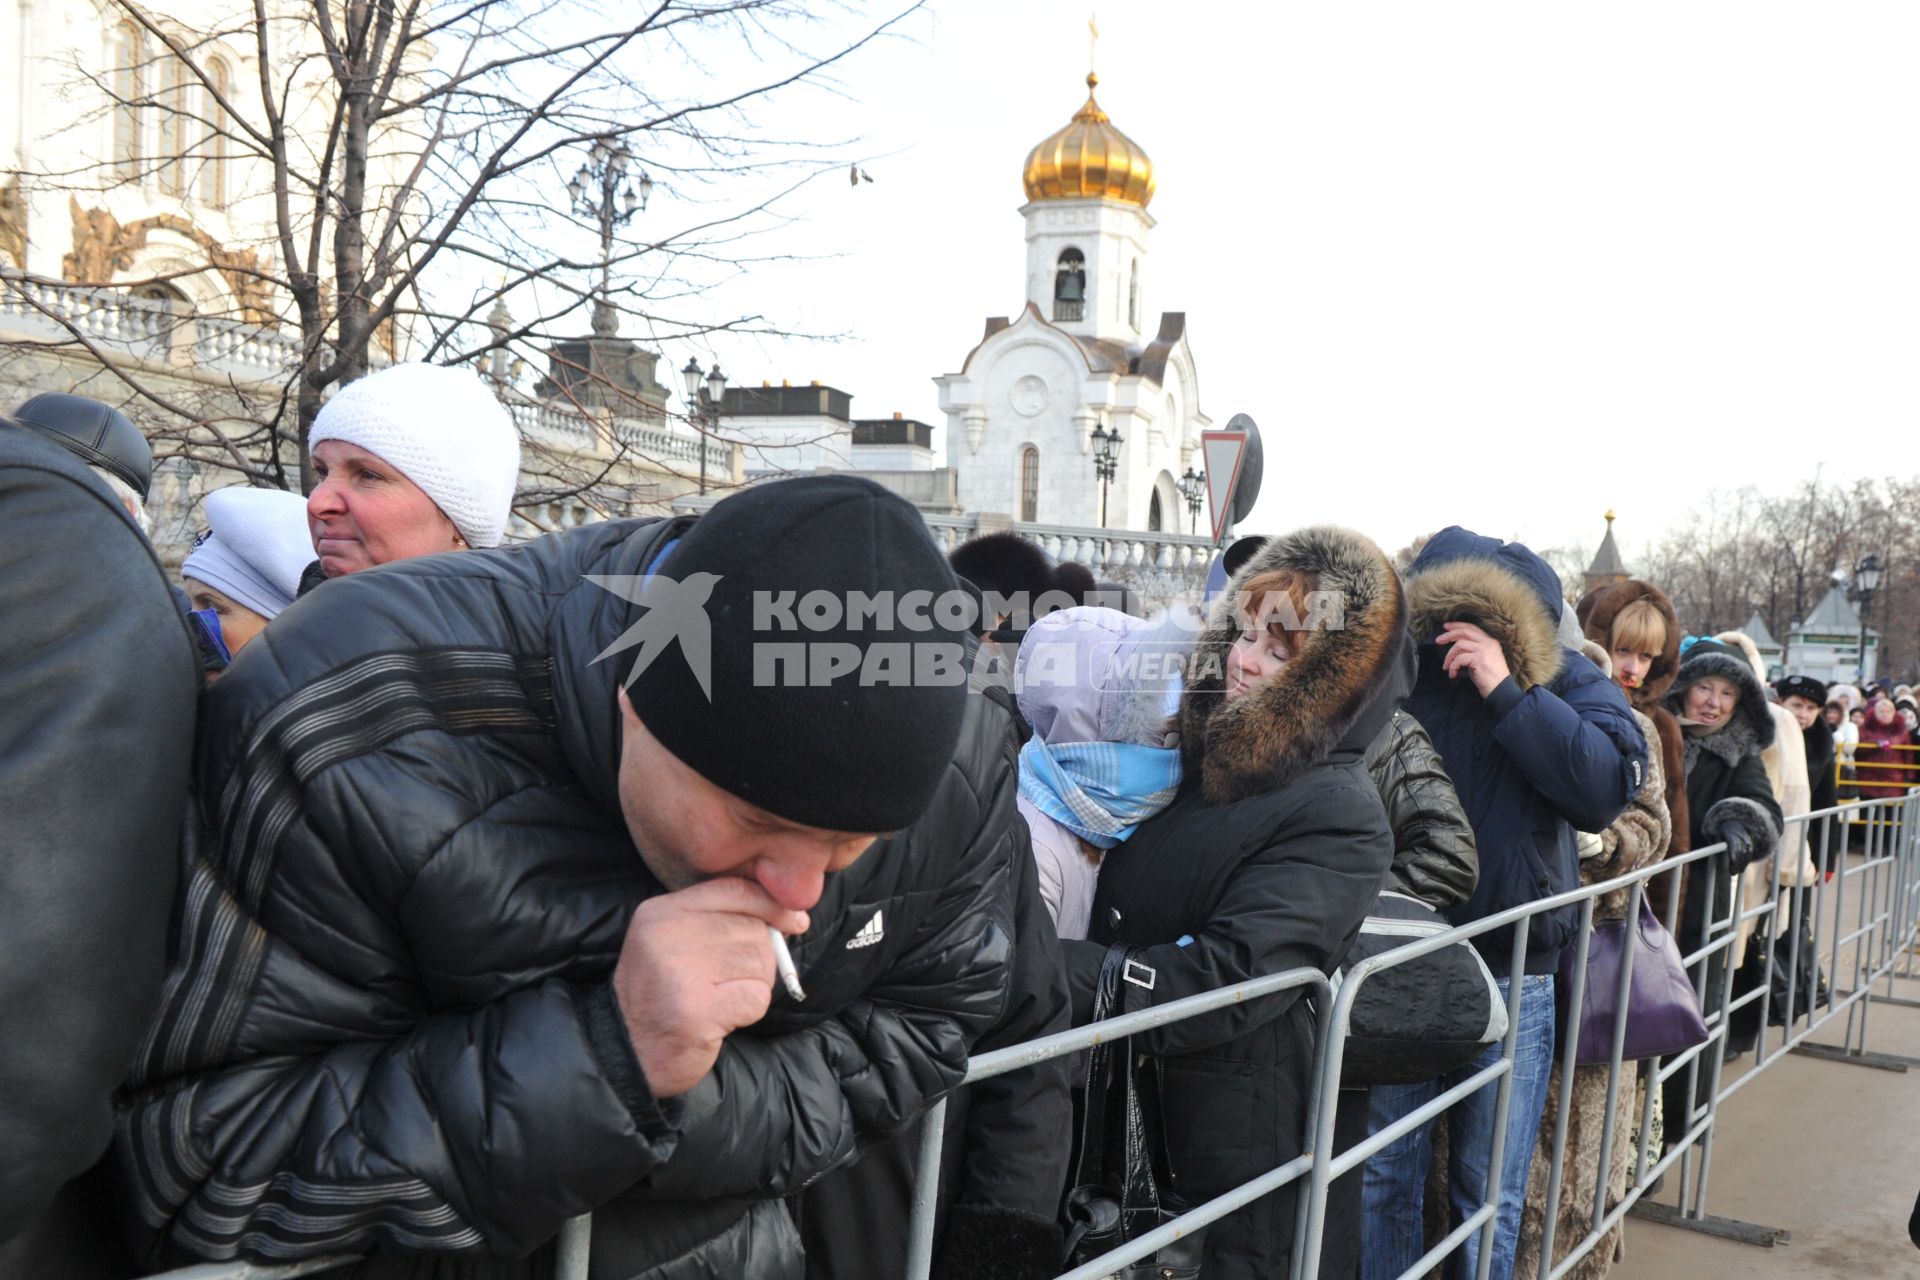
1088	186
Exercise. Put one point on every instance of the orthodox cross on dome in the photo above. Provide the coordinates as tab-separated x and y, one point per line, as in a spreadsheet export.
1093	43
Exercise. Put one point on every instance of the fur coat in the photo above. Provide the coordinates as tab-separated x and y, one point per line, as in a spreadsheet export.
1638	837
1786	765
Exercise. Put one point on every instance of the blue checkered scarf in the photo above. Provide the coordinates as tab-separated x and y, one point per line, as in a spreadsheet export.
1100	791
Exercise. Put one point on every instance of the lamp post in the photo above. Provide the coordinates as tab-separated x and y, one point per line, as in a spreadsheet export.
600	191
1866	580
1106	462
705	391
1193	486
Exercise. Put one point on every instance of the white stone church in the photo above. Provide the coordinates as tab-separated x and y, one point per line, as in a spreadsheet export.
1081	354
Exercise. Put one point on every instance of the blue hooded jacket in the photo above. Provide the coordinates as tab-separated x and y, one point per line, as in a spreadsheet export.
1553	750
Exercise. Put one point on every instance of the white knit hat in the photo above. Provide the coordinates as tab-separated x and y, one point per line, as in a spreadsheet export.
256	546
445	431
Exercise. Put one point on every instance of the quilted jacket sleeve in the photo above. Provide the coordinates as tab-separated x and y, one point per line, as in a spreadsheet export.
1434	855
471	1132
779	1110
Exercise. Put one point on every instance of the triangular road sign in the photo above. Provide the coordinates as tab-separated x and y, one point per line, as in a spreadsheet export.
1222	452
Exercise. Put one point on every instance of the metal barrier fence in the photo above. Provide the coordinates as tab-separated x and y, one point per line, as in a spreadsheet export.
1873	770
1882	885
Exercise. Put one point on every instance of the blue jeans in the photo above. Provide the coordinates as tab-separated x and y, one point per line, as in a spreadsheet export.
1394	1184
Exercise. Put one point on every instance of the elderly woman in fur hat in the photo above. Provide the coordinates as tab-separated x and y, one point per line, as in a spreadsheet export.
1723	711
1269	858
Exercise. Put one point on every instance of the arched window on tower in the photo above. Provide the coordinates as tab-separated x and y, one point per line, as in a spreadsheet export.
129	52
1070	285
1029	484
1133	297
213	162
175	130
1153	512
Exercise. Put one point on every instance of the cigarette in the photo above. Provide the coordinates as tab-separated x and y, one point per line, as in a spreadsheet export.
783	961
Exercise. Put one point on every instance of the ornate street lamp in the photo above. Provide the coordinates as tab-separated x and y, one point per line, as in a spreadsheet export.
1193	487
1106	462
705	392
1866	580
601	192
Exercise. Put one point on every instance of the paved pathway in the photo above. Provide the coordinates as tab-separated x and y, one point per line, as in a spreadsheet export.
1828	1150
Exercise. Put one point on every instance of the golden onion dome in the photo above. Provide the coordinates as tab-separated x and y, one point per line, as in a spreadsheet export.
1089	160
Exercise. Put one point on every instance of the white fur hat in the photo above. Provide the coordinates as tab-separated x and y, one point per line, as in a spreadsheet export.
445	431
256	546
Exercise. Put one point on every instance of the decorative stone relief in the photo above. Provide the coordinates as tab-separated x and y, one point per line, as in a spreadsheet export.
1030	395
976	432
101	247
13	224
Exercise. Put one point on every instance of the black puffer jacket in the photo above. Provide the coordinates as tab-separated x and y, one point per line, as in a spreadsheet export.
97	687
390	1028
1268	860
1434	857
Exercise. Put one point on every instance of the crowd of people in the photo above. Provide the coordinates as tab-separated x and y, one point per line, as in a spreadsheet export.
385	890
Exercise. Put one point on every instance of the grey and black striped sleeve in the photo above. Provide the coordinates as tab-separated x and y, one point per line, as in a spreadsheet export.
478	1133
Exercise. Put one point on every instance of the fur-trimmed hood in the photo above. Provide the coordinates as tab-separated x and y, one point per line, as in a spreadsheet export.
1336	693
1750	731
1502	588
1599	608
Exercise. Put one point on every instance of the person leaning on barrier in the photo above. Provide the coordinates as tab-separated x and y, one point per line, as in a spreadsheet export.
1723	710
1640	836
1269	858
1803	697
1539	744
97	685
478	939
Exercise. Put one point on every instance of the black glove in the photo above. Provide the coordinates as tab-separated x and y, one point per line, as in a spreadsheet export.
1741	846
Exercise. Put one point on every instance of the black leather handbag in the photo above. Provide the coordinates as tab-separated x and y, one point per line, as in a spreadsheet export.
1126	1202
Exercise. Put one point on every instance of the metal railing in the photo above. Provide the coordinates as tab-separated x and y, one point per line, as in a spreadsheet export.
1878	942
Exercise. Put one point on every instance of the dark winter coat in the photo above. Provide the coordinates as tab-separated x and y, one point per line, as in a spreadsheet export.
1008	1139
1434	858
390	1028
1268	860
95	722
1728	792
1552	750
1818	739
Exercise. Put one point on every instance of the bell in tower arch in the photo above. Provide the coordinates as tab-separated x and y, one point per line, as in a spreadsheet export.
1070	286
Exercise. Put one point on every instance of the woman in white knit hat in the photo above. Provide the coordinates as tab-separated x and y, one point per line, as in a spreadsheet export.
412	460
246	567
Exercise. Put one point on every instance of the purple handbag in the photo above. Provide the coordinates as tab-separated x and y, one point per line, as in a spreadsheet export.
1663	1013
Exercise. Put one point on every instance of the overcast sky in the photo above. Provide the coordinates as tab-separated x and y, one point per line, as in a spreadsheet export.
1506	265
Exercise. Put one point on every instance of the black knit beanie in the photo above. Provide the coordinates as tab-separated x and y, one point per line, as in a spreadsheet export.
838	675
